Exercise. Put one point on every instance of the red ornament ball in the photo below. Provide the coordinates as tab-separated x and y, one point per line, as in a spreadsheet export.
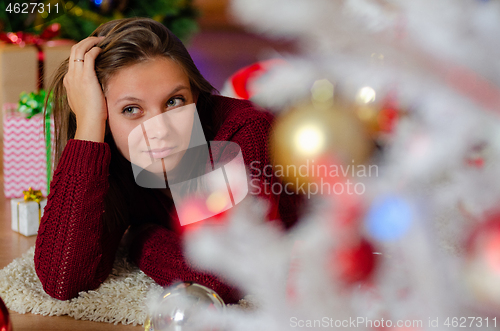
387	119
353	263
484	243
4	318
482	267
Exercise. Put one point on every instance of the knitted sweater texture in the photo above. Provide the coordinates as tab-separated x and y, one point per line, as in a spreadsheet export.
75	250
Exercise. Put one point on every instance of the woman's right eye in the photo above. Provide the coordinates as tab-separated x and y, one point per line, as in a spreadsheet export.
130	111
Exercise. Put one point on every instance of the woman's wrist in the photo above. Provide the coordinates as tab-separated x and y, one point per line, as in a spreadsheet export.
91	130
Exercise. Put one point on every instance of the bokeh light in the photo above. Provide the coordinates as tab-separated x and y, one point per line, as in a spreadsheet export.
310	140
322	91
389	218
366	95
217	202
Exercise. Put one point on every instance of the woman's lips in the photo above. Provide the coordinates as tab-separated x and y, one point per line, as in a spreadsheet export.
160	153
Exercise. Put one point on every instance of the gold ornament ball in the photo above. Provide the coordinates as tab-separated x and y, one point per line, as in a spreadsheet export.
368	115
309	134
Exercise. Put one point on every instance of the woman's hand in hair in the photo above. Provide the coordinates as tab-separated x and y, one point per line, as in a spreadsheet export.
84	93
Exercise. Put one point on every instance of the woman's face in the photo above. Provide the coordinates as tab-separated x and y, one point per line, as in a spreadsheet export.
151	112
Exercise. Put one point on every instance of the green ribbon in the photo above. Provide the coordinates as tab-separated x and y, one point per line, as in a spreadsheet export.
48	150
32	104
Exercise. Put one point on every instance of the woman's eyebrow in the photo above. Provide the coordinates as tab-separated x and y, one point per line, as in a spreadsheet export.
178	88
131	98
128	98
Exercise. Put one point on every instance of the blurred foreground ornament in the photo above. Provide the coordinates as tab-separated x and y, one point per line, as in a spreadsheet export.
482	269
243	84
317	131
196	208
353	263
4	318
180	307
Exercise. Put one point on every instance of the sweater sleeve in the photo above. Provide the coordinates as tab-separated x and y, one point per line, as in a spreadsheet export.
74	250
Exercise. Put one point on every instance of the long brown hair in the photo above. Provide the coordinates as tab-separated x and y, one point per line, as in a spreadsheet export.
127	42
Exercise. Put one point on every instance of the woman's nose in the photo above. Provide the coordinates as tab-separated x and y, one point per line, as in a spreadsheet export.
157	127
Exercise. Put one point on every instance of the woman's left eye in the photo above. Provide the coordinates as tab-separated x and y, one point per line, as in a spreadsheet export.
175	102
130	110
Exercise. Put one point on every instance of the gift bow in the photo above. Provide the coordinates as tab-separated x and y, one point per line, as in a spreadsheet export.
24	38
33	195
33	103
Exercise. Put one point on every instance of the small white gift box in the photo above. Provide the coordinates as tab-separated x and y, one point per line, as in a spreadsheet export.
26	215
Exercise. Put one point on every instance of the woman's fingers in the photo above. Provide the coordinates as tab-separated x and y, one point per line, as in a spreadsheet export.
79	50
89	60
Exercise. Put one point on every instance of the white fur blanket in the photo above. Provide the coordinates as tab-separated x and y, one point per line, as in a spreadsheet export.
120	299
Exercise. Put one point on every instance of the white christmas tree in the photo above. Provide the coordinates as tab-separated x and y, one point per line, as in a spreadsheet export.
419	247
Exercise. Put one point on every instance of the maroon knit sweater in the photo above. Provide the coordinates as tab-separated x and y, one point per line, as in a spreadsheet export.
75	250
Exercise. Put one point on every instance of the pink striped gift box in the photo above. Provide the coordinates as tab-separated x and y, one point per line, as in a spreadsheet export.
24	154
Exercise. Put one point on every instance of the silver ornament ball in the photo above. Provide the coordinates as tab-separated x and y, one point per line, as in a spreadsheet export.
180	306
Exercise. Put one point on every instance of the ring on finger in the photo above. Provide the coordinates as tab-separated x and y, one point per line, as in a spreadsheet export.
78	60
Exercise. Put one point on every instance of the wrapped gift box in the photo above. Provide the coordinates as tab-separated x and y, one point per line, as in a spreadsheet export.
26	215
19	67
18	71
24	152
55	52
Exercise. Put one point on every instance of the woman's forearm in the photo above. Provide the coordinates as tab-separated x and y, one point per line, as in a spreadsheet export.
74	250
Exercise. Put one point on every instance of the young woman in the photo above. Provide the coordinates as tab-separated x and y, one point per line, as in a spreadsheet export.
128	72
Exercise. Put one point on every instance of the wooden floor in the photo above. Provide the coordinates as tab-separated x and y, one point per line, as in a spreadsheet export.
218	54
13	245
